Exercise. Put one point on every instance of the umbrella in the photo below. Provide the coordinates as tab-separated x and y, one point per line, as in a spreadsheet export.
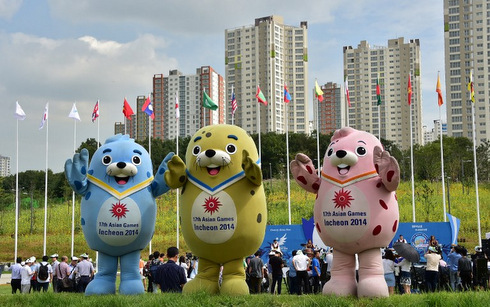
407	251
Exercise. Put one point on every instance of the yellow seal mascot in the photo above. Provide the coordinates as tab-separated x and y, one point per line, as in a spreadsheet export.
223	211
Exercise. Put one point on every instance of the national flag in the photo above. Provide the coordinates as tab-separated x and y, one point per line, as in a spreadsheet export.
378	92
127	111
440	102
19	113
207	102
95	112
177	111
409	90
318	92
471	87
260	96
74	113
287	97
45	117
233	102
148	108
347	91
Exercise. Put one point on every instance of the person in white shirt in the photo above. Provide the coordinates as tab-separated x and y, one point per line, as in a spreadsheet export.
301	263
389	270
26	274
54	266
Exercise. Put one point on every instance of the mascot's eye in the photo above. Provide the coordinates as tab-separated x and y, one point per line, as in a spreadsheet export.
106	160
329	152
196	150
231	148
136	160
361	151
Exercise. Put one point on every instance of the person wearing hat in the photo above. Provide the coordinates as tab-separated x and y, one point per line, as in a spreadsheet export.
54	265
86	271
26	274
74	276
432	269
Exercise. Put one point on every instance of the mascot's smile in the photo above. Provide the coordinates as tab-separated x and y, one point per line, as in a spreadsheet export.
343	169
211	159
121	171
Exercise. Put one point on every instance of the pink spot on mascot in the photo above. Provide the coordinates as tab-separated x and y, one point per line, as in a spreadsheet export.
356	211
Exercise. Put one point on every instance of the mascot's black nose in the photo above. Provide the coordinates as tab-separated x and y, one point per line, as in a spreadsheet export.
121	164
341	153
210	153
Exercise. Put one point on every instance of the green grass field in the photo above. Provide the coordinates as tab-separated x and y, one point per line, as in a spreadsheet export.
446	299
428	209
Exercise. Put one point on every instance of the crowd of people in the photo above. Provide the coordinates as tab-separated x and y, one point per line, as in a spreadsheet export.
306	271
459	272
29	275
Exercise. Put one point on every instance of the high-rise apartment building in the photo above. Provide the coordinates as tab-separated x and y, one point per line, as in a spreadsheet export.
391	66
188	90
330	113
4	166
268	54
467	45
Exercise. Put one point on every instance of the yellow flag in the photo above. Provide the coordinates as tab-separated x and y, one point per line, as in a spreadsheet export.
471	87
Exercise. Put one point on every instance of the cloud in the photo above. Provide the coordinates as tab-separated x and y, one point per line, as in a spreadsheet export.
207	17
39	70
8	8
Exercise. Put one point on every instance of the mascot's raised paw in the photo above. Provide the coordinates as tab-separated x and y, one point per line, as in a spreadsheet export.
387	168
76	171
304	173
251	169
175	176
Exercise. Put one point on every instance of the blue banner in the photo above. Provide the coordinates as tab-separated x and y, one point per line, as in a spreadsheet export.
418	234
289	237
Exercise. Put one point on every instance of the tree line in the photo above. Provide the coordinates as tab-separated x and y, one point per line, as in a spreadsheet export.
458	163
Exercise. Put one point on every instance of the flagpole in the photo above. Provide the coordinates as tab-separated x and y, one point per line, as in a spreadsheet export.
411	162
149	153
318	136
16	193
98	142
442	167
73	192
476	172
177	153
287	163
46	189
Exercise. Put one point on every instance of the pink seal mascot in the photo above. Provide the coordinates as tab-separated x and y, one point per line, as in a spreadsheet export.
356	210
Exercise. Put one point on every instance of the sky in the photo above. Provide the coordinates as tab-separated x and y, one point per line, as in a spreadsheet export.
82	51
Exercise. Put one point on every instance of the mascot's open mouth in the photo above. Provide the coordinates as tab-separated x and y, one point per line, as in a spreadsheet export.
343	169
213	171
122	180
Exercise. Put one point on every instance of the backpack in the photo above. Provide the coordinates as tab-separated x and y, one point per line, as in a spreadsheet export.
43	271
153	267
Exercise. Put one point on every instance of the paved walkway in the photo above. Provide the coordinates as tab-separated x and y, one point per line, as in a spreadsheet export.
5	279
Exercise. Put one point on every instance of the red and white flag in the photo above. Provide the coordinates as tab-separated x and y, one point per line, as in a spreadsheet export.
95	112
45	117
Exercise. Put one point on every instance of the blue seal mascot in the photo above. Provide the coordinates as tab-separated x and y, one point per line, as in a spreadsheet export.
118	208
